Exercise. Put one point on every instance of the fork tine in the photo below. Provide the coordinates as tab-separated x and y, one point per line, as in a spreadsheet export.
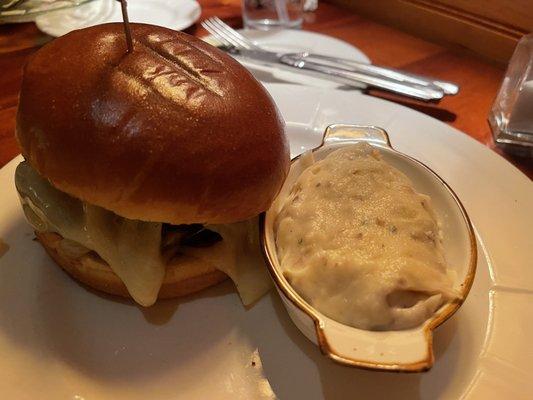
227	34
233	31
215	30
216	35
245	42
229	31
236	33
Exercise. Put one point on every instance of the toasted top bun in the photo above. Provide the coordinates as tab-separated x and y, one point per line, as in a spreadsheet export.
176	131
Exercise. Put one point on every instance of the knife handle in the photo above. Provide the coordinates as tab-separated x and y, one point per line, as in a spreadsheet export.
354	78
449	88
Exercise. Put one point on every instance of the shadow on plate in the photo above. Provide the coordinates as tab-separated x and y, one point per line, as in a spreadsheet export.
430	109
47	315
322	378
267	76
51	317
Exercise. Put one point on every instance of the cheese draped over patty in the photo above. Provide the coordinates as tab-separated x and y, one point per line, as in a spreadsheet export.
358	243
132	248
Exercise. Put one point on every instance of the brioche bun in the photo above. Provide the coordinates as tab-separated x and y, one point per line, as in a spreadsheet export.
176	131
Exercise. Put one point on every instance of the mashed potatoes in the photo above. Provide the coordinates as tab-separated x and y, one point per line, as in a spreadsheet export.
358	243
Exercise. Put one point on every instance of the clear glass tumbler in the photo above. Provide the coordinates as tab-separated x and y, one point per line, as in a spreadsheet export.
268	14
511	117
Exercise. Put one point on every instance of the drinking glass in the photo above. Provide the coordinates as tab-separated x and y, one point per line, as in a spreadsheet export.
268	14
511	117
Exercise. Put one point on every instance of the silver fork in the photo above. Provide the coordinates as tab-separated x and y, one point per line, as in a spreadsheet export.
293	61
238	40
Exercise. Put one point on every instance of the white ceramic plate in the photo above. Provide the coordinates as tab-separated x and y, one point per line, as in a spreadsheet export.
290	40
404	350
59	340
173	14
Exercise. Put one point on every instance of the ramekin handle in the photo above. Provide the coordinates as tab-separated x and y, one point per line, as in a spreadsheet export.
408	351
355	133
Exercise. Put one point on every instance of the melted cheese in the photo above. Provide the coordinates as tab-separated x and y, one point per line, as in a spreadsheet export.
132	248
239	256
359	244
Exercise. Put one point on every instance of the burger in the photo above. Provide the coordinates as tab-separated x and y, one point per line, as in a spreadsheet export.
145	171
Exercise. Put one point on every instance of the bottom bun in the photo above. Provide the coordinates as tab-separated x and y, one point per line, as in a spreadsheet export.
184	274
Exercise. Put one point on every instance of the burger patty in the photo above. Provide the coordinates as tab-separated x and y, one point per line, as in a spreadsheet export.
173	238
193	235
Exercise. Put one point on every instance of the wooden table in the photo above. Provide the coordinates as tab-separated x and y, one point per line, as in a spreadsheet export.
467	111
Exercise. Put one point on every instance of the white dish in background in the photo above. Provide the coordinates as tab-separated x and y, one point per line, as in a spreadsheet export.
27	11
59	340
173	14
290	40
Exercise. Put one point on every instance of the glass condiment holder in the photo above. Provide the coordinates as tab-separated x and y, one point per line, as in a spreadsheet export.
511	117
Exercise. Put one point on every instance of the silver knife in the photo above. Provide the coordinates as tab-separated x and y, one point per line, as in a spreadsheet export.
449	88
293	61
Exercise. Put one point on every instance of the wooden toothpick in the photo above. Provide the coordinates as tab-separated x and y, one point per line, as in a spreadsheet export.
126	21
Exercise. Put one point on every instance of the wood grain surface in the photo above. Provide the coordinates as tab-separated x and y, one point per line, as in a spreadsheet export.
467	111
490	28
